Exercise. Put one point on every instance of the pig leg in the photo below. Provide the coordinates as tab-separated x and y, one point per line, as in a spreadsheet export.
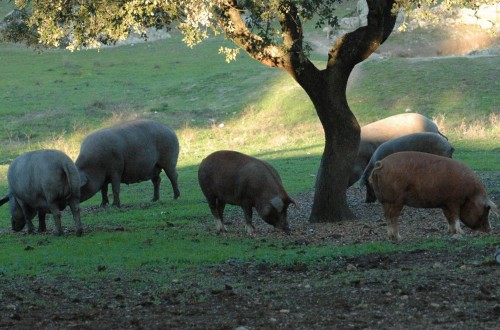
217	209
115	186
248	220
452	216
173	176
42	226
357	171
391	213
220	211
156	186
104	194
27	217
370	194
74	205
57	219
219	226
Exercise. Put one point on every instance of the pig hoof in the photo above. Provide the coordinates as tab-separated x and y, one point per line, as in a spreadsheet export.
370	199
395	237
250	230
221	228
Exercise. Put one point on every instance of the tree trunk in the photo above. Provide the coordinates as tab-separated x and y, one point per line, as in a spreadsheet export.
342	135
327	90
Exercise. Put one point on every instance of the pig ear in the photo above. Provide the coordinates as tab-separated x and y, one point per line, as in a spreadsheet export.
492	206
83	179
277	203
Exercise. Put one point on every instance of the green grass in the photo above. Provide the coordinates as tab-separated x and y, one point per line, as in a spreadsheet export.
6	7
54	99
439	87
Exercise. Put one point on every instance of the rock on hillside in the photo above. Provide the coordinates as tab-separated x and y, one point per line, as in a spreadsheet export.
459	32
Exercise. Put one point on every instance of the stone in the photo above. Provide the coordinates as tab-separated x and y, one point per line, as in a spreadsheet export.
362	8
489	13
351	268
485	24
350	23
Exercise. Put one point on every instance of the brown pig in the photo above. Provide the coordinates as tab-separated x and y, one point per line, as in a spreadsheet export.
230	177
431	143
423	180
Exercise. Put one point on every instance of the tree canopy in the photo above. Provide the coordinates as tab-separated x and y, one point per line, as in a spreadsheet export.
90	24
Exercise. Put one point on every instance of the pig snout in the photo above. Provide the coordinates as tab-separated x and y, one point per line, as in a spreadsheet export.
485	227
276	214
285	228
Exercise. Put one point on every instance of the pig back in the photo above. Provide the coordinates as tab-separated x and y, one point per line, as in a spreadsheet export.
149	146
45	176
233	176
394	126
424	180
423	141
135	150
376	133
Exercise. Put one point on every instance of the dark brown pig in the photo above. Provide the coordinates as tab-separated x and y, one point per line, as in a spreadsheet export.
43	181
131	152
230	177
376	133
431	143
423	180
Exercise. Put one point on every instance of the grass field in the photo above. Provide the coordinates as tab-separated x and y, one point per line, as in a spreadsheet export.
54	99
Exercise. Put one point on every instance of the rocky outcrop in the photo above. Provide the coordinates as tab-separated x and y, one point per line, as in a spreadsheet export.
487	17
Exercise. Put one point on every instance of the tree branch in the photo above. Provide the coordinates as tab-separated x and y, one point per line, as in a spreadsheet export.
355	47
298	64
291	27
233	25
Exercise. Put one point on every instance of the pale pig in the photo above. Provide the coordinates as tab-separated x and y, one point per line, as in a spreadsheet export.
43	181
131	152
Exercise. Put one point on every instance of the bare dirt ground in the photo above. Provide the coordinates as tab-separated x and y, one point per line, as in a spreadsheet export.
421	289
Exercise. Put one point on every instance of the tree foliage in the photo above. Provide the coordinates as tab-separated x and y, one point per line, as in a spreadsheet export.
80	24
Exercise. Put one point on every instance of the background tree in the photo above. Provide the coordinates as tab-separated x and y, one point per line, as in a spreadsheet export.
270	31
